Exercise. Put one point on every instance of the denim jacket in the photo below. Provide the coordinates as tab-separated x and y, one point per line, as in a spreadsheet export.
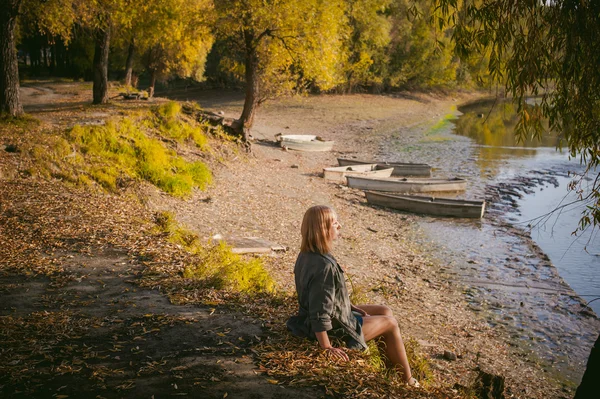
324	301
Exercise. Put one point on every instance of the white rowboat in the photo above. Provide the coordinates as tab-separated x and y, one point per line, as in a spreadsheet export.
400	169
406	185
428	205
304	142
339	173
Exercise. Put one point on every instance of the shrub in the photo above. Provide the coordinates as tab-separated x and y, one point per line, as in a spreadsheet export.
167	224
216	265
220	268
170	125
123	148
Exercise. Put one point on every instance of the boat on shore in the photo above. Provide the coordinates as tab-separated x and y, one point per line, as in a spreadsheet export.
428	205
339	173
304	142
406	185
400	168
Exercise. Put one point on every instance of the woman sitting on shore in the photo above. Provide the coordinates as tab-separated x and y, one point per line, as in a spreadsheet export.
325	304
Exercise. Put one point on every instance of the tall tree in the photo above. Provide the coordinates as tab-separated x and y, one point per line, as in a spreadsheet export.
101	50
170	37
129	62
367	59
281	45
133	17
9	69
421	55
177	38
99	16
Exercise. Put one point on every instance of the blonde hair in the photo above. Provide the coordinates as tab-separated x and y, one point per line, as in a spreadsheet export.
316	229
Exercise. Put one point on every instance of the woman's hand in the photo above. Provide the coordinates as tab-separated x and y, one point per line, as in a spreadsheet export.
337	353
359	310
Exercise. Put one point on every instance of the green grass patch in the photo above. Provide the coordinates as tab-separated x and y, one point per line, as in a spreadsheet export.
171	123
442	125
375	358
220	268
215	265
122	148
23	121
358	294
50	154
167	225
126	148
419	364
169	110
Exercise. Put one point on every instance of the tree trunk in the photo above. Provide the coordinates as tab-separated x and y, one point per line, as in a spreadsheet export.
129	63
152	83
590	385
101	66
9	64
251	101
45	52
53	59
60	57
252	92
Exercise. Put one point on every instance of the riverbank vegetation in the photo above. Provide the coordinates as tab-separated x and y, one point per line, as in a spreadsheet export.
138	145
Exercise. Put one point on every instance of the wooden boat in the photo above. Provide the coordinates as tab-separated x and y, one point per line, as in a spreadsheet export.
400	169
406	185
428	205
339	173
304	142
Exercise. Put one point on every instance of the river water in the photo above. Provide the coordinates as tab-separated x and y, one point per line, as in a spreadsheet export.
524	272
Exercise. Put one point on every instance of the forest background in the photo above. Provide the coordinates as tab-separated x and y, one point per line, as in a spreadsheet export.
374	45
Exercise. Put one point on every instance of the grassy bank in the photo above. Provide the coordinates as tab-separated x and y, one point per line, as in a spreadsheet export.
140	145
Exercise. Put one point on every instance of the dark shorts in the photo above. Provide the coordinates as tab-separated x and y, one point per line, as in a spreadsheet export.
339	332
358	317
351	342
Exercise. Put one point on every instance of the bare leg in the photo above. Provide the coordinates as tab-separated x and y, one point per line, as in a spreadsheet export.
376	310
379	310
386	326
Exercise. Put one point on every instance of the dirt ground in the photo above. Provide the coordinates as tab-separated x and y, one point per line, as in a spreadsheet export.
118	340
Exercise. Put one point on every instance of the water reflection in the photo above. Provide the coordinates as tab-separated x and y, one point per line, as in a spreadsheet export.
493	124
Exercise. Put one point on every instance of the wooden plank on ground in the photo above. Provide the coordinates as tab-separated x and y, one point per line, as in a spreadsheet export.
252	245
